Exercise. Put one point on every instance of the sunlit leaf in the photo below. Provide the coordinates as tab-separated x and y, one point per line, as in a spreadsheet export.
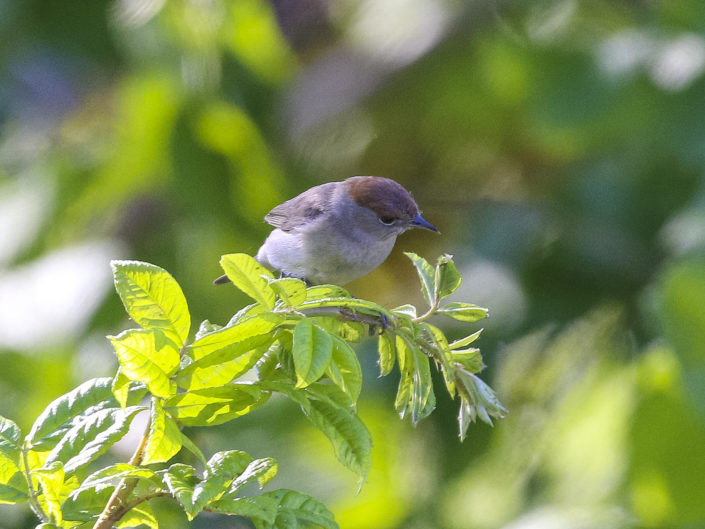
223	365
312	352
153	298
8	468
83	503
164	439
216	345
352	305
56	419
181	481
213	406
464	311
406	310
326	292
477	400
189	445
10	439
138	516
298	510
112	474
121	387
290	290
206	327
51	479
250	277
470	359
464	342
344	368
262	470
91	437
415	395
447	276
442	355
147	356
221	471
14	490
426	275
351	441
262	510
387	353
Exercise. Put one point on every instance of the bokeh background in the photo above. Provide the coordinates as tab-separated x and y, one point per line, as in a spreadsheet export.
559	145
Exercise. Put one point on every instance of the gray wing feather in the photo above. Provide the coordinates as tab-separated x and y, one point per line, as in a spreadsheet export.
302	209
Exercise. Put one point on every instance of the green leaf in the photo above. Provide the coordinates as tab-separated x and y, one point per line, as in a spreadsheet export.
290	290
247	312
262	470
298	510
427	276
83	504
91	436
221	356
153	298
360	306
111	475
350	331
387	353
250	277
164	439
218	343
181	481
477	400
470	359
344	368
312	351
299	396
464	311
14	490
262	510
10	440
121	387
206	327
57	418
221	471
51	479
213	406
447	277
191	447
147	356
406	310
464	342
415	393
351	441
326	292
139	515
442	354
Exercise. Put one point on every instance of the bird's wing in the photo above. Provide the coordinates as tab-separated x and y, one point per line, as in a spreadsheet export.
302	209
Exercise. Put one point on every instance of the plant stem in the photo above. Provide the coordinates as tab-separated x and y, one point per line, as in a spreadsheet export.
33	501
116	506
430	312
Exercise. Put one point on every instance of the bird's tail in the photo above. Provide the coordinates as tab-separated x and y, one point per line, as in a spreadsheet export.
221	280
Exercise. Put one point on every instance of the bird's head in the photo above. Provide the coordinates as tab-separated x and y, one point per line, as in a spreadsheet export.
394	209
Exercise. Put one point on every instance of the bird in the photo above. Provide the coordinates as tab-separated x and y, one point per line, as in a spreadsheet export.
336	232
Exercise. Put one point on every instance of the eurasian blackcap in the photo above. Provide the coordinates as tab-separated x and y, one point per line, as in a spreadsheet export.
339	231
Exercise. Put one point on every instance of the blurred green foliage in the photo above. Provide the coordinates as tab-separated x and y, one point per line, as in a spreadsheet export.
557	144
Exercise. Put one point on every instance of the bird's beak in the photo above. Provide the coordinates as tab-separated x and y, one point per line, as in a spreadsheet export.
420	222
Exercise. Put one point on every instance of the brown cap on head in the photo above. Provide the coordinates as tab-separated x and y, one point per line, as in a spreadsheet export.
385	197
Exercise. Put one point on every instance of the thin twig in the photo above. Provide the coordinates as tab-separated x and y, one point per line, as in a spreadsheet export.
33	501
114	509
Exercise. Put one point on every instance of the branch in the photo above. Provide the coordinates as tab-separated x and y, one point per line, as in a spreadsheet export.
33	501
115	508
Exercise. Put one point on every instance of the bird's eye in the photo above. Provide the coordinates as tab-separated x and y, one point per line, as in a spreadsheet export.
387	220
